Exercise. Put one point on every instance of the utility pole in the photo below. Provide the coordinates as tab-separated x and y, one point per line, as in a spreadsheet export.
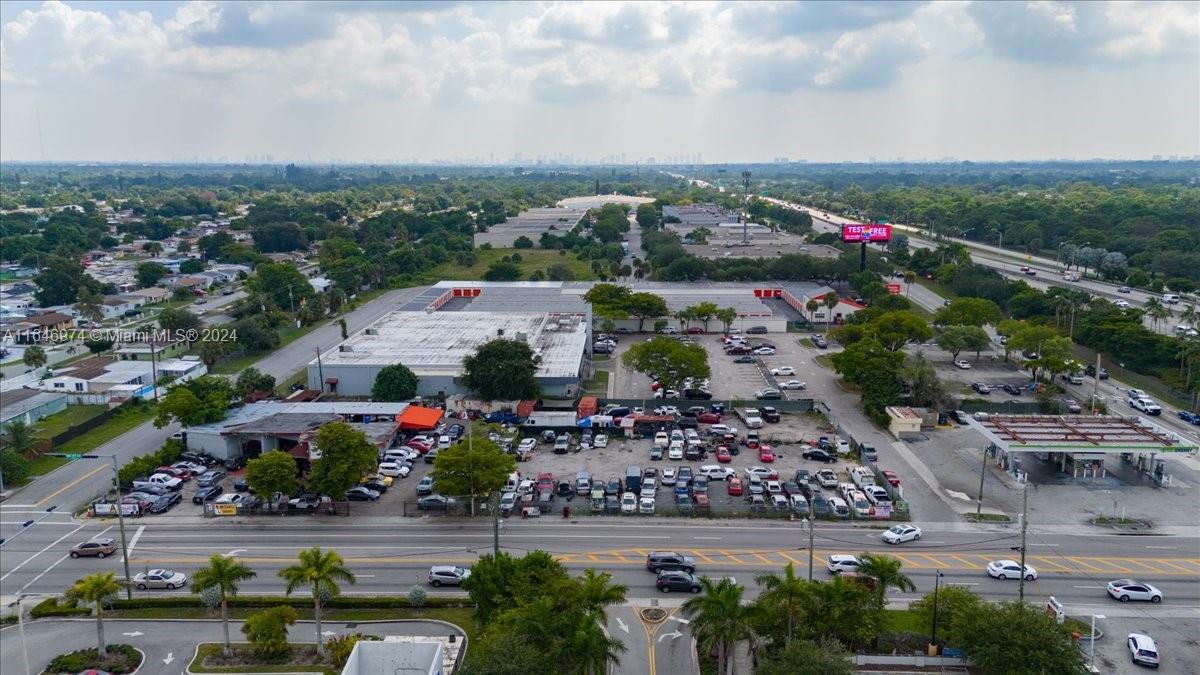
120	511
937	577
1024	528
1096	383
495	506
982	473
811	534
320	370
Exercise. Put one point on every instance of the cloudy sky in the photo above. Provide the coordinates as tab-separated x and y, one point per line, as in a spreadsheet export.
376	81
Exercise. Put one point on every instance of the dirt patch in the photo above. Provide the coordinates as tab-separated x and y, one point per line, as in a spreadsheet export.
653	614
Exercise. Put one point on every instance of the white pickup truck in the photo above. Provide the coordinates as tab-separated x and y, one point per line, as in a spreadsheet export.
751	417
159	479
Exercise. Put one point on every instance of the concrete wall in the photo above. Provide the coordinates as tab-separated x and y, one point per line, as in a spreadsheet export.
357	380
213	444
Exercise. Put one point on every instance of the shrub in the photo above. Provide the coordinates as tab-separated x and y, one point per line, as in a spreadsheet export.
120	659
51	607
417	596
339	648
267	632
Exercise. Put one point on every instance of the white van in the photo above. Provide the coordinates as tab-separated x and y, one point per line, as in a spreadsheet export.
513	482
1170	298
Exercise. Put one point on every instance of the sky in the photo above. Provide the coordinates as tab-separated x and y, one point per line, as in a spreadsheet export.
483	82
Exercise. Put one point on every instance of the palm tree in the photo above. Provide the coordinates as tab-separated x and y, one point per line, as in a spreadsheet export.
153	248
592	647
784	592
96	589
18	437
830	300
684	316
884	570
223	574
910	278
812	306
598	592
726	316
88	306
1156	311
1188	315
34	356
322	570
720	620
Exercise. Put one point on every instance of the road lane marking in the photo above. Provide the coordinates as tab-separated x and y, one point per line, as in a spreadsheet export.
1089	566
1146	565
52	566
710	538
47	548
765	560
133	542
50	497
732	557
970	564
1167	548
1176	566
1087	587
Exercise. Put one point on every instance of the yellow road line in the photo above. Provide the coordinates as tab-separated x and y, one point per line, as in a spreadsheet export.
936	562
1145	565
907	561
732	557
765	560
789	557
1052	563
969	563
1173	564
50	497
1089	566
701	556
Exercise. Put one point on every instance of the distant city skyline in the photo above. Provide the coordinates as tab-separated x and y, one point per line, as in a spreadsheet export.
608	83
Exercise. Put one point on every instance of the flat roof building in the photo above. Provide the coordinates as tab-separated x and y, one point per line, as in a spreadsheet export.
532	224
697	215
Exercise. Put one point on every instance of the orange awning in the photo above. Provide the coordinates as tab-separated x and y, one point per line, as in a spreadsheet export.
420	417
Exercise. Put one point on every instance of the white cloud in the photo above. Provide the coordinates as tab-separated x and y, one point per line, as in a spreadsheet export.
872	58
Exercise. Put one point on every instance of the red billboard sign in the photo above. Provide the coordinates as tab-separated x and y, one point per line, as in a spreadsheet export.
871	232
894	289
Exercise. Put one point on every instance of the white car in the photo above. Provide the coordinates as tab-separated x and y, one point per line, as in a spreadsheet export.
529	444
661	439
827	478
792	384
600	441
675	451
629	503
761	471
646	505
843	446
898	534
666	393
1123	304
1142	649
841	564
716	472
783	370
444	442
668	476
764	351
721	430
649	488
962	365
230	498
1129	589
393	470
167	579
666	410
1010	569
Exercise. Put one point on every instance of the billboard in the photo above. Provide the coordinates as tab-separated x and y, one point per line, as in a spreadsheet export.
855	233
894	289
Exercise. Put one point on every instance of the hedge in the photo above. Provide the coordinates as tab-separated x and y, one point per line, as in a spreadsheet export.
254	601
50	607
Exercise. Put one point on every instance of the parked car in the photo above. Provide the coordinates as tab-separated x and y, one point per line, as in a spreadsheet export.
361	493
629	503
211	477
819	455
98	548
793	385
734	486
394	470
436	503
1129	589
168	579
827	478
724	456
448	575
1143	650
207	494
962	365
1012	389
1010	569
981	388
768	394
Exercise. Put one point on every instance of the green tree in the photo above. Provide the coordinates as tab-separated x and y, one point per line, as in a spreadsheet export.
1016	637
18	436
222	575
98	346
647	215
954	604
212	351
96	589
968	312
267	632
876	370
719	619
89	305
830	300
896	329
704	312
669	360
177	320
502	370
251	380
784	594
346	455
498	582
34	356
282	284
523	242
191	266
272	473
726	316
394	383
884	572
149	273
811	307
805	657
953	339
203	400
597	592
925	388
645	306
59	280
977	340
502	271
14	467
472	467
322	571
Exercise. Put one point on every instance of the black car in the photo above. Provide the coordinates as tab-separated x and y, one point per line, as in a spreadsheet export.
163	503
378	486
197	458
565	489
1090	371
207	494
241	485
821	342
769	414
234	463
802	476
362	494
694	453
612	505
1012	389
744	358
687	422
435	503
613	488
697	395
456	431
677	581
819	455
756	330
548	436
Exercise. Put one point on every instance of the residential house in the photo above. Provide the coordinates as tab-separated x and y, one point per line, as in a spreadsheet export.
145	351
152	295
29	405
117	306
37	328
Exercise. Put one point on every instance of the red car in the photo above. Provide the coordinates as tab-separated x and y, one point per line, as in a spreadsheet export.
708	418
891	477
695	330
545	482
723	455
655	386
734	487
420	446
766	454
701	500
182	474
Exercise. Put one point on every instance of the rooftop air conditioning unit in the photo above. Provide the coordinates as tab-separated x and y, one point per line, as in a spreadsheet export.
500	332
371	331
521	337
345	348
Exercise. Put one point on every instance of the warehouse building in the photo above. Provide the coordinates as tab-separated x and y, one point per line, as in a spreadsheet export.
532	224
432	334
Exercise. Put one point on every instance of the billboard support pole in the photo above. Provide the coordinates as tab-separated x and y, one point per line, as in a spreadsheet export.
862	257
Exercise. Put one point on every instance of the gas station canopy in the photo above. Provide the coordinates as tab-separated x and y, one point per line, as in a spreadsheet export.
1078	434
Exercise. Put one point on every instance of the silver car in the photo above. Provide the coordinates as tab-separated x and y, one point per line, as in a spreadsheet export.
168	579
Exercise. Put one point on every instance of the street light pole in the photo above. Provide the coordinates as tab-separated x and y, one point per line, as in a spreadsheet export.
120	511
1091	643
21	631
811	534
937	577
1024	528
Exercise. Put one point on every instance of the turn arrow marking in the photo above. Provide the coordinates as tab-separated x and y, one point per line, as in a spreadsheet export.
235	551
673	635
134	633
621	625
170	658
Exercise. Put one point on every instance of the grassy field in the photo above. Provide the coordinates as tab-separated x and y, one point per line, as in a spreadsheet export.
531	261
43	465
51	426
598	384
115	426
286	337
